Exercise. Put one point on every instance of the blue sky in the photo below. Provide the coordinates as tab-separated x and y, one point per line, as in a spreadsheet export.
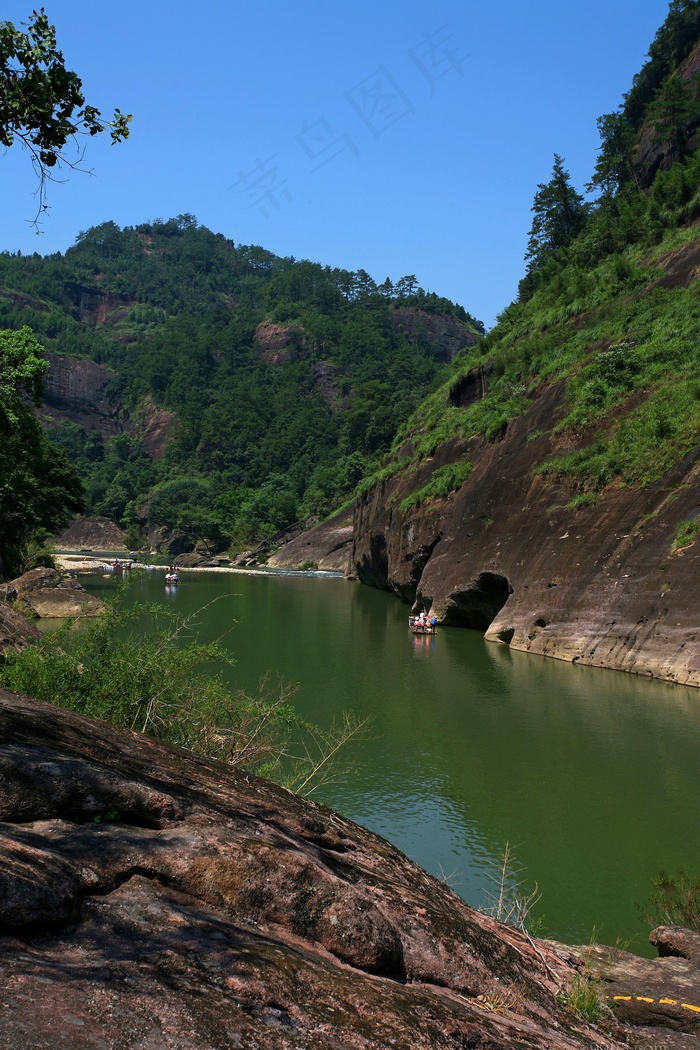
397	136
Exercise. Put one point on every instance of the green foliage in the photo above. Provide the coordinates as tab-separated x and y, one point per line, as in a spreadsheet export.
559	215
140	667
259	436
42	103
584	499
583	998
111	816
615	164
686	531
674	114
22	366
600	321
674	901
38	488
34	551
673	42
443	481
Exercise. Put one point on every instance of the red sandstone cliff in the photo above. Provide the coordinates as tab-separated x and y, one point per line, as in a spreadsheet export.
505	555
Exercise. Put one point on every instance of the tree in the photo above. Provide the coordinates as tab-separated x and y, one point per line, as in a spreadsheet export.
673	42
21	369
615	165
560	213
674	114
42	103
39	489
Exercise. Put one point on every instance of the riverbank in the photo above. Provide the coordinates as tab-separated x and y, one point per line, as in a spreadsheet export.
90	563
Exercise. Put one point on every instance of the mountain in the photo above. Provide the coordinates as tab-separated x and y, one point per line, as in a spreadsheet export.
218	391
547	491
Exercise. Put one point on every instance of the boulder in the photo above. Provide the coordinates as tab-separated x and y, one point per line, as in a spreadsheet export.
47	593
659	996
16	631
152	898
167	541
190	561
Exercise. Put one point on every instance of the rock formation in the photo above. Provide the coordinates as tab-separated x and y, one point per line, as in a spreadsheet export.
76	389
507	554
48	593
150	898
90	534
660	997
447	333
16	631
327	546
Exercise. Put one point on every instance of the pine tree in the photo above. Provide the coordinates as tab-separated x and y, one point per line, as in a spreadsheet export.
560	213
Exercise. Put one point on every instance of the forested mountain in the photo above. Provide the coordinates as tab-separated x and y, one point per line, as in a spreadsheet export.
219	389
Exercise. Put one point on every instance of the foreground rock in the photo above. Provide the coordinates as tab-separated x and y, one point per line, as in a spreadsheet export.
660	997
47	593
149	898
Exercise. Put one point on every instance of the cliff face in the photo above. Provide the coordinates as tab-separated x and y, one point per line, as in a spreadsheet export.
446	332
504	554
76	389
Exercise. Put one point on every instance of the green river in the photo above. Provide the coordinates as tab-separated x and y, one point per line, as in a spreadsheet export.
592	776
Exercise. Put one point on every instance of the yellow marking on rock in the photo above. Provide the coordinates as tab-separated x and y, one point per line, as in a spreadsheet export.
648	999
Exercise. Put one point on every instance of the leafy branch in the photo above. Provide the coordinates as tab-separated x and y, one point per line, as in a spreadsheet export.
42	104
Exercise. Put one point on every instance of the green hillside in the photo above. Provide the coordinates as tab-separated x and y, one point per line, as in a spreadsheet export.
610	302
283	381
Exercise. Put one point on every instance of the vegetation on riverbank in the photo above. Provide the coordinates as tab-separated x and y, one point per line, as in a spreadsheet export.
674	901
140	666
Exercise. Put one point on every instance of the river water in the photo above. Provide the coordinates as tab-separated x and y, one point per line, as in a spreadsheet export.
591	776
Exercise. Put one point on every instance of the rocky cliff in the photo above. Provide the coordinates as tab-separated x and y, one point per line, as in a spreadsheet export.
505	554
77	389
587	571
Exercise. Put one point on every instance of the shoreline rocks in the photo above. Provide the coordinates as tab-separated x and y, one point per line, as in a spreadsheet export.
48	593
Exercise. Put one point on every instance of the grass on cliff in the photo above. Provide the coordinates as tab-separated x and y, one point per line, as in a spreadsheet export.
442	482
625	346
141	667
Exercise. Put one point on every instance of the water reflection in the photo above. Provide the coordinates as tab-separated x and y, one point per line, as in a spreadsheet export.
592	775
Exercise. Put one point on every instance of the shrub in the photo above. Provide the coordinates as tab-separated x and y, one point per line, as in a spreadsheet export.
686	531
141	668
675	901
582	998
